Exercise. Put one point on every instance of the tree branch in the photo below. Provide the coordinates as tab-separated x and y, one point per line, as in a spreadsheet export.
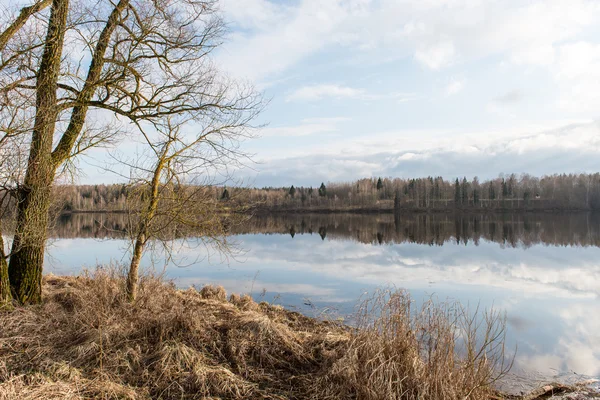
18	23
68	139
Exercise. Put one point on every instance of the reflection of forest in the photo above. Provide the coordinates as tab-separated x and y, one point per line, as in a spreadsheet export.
87	225
575	229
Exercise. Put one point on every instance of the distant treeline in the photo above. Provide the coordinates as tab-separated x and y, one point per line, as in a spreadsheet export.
510	230
511	192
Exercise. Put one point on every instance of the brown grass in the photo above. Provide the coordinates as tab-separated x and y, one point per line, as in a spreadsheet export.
436	351
86	341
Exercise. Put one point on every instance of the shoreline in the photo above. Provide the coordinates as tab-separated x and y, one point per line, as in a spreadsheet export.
86	340
405	211
376	211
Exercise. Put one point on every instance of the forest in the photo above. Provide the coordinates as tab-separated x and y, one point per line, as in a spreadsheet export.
435	229
558	192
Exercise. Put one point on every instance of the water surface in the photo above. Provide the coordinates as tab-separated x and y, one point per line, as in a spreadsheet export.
542	269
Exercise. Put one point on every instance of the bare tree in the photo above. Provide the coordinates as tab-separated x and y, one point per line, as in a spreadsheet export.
13	161
186	155
136	61
5	294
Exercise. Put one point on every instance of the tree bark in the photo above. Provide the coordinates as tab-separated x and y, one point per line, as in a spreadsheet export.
142	236
133	274
27	255
5	294
18	23
68	139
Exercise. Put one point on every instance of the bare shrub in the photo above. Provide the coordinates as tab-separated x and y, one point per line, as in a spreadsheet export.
213	292
436	351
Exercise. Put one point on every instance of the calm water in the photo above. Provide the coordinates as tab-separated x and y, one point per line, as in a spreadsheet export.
543	270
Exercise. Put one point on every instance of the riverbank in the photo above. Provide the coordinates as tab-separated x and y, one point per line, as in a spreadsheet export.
418	210
373	210
86	341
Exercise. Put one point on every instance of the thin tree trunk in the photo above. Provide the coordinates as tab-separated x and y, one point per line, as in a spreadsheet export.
133	275
5	294
27	255
141	239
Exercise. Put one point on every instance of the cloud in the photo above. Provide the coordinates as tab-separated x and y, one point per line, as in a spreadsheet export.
436	56
437	34
455	86
577	73
307	127
509	98
294	33
572	148
332	91
319	92
539	272
251	14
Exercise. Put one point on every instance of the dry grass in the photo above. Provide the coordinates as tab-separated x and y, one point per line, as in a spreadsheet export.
86	341
436	351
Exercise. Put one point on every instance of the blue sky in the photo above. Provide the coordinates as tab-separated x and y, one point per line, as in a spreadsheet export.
364	88
408	88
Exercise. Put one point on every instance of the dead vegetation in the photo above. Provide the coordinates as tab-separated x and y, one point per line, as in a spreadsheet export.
87	341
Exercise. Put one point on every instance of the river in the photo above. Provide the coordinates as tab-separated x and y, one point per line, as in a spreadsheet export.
543	270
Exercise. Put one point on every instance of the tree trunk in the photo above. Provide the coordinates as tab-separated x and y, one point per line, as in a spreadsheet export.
24	15
5	295
27	255
133	274
142	235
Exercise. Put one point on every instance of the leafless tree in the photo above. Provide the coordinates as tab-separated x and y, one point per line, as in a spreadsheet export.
65	64
13	161
169	187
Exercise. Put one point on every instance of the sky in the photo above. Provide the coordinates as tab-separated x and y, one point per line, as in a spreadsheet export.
403	88
412	88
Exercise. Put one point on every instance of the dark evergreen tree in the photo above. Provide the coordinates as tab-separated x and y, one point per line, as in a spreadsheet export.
397	201
379	184
457	196
323	232
225	194
511	185
292	191
322	190
492	191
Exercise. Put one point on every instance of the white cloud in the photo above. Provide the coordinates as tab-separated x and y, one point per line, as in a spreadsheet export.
577	73
454	87
502	105
295	33
510	97
332	91
436	56
257	14
436	33
307	127
572	148
318	92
